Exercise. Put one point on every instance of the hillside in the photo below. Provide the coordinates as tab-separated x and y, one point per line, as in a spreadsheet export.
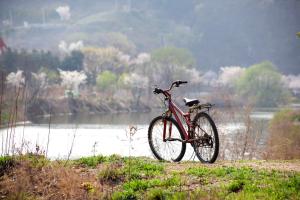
114	177
219	34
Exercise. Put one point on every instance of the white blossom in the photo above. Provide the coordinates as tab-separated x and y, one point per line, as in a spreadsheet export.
64	12
193	75
142	58
15	79
292	81
41	78
229	74
136	80
63	46
209	78
124	58
76	46
72	79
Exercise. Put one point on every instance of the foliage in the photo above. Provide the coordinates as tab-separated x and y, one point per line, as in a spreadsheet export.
118	40
122	81
284	136
5	163
4	117
171	63
262	84
92	161
100	59
36	160
106	80
32	61
52	76
173	56
73	62
152	24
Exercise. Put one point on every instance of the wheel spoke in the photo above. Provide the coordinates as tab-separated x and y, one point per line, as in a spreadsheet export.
206	147
166	150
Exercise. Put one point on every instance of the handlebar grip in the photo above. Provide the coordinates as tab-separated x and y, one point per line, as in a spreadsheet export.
177	83
157	91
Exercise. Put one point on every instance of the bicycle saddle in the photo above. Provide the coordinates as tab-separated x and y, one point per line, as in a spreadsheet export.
190	102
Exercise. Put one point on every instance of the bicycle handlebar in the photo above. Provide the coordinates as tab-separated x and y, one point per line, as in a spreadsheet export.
175	83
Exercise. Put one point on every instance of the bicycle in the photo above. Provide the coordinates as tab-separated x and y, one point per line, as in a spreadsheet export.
168	137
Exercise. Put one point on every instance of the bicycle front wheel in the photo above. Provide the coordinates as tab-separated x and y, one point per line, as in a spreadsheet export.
170	149
206	138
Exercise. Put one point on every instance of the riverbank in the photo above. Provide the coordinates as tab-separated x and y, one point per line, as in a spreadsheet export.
66	106
114	177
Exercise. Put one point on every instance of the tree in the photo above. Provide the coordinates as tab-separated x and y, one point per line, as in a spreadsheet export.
174	56
171	63
72	80
138	84
8	60
262	84
73	62
101	59
106	80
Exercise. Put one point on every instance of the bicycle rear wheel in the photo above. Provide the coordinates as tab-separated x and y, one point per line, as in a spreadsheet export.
171	149
206	145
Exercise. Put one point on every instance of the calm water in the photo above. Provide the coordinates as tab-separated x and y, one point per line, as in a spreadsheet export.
95	134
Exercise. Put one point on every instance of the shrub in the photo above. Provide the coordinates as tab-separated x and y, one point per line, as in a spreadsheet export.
284	136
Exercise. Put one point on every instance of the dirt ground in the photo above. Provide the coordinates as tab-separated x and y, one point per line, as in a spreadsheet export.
278	165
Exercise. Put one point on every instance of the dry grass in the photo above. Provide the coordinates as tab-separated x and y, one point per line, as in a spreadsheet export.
284	137
38	178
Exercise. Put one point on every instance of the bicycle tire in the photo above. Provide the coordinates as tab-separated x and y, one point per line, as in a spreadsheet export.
156	152
195	145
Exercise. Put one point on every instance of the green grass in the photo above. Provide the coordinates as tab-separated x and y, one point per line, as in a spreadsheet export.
135	189
112	174
247	183
6	162
92	161
143	178
139	168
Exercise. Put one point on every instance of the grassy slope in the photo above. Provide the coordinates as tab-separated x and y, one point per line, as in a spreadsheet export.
114	177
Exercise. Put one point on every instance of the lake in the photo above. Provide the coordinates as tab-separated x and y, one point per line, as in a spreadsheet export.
75	136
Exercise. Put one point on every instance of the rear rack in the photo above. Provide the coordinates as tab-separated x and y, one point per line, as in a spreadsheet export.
200	107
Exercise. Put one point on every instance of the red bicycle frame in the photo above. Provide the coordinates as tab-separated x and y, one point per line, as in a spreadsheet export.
173	109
